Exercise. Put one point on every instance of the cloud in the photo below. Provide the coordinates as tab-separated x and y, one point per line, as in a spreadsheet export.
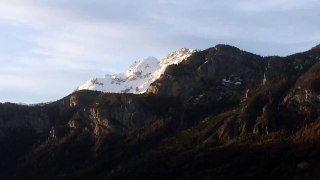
65	37
104	29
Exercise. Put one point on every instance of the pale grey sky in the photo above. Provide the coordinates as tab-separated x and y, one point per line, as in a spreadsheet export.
49	47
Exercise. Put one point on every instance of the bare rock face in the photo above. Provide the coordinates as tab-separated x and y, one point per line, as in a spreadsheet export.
74	101
216	104
102	113
227	75
207	82
223	66
304	97
117	119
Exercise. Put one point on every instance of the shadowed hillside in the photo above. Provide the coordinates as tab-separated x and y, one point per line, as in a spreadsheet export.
222	113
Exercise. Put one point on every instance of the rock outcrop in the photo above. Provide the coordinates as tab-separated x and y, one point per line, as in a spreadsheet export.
219	110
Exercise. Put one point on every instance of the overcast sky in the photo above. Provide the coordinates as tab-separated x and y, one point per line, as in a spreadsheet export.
49	47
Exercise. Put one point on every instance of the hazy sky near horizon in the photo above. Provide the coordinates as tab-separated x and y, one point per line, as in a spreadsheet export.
49	47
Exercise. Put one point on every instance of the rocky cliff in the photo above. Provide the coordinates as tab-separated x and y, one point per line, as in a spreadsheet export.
222	113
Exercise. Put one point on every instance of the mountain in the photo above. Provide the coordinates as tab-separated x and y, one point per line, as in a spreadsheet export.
222	113
139	75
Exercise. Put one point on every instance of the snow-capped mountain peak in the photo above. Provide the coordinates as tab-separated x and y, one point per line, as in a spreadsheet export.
142	67
173	58
177	56
139	75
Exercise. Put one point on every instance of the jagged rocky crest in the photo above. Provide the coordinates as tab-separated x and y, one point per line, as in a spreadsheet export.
139	75
220	113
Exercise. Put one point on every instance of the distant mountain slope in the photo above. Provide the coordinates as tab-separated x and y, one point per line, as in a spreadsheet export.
139	75
222	113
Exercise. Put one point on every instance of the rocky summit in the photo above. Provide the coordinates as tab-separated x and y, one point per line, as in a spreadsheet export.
220	113
139	75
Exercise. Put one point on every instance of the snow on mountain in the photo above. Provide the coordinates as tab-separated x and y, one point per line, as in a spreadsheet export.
139	75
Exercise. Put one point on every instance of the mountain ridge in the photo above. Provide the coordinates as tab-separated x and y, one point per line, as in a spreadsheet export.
139	75
221	113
